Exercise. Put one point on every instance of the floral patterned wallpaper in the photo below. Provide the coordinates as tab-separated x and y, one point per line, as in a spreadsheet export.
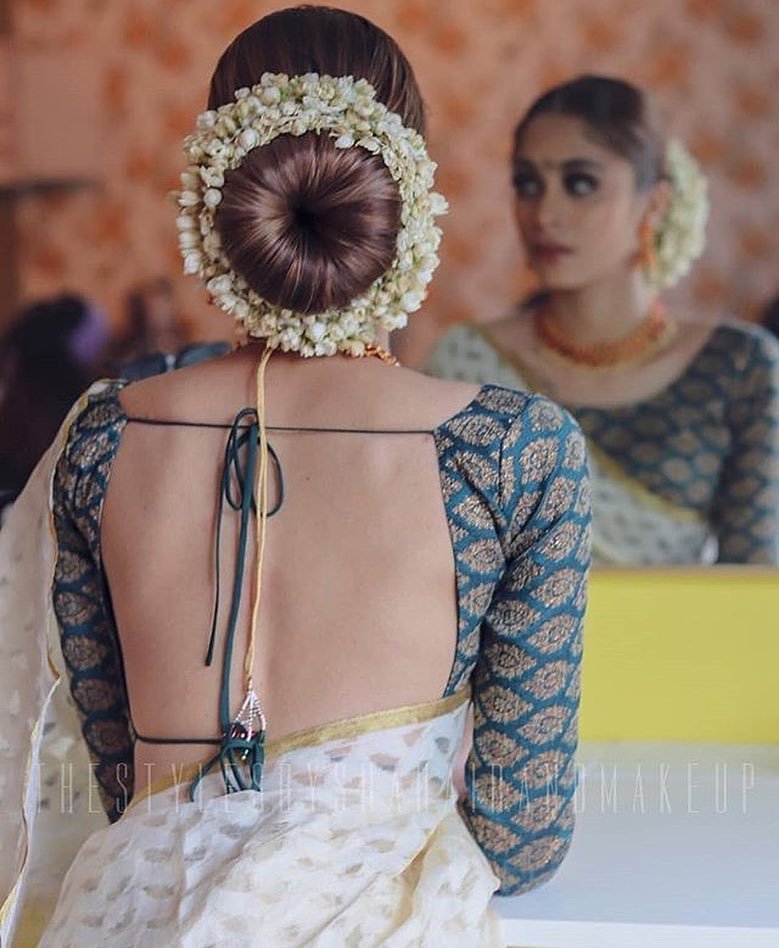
126	79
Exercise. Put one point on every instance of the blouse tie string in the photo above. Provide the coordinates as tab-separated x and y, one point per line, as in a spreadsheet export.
244	487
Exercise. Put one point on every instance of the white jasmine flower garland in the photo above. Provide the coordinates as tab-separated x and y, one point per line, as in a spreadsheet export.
347	110
680	238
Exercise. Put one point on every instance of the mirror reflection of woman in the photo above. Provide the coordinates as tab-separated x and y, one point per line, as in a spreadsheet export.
681	417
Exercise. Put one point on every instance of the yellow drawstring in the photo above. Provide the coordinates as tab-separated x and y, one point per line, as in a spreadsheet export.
261	494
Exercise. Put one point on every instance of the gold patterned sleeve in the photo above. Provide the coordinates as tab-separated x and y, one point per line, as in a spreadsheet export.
82	605
520	775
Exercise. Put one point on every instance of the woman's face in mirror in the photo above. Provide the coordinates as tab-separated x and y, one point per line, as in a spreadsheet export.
577	205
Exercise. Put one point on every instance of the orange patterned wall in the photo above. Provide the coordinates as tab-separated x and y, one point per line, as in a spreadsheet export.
129	77
7	156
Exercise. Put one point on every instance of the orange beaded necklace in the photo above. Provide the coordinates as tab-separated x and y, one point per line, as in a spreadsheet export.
653	332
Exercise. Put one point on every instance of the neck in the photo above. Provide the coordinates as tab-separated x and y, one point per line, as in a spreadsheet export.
253	349
605	311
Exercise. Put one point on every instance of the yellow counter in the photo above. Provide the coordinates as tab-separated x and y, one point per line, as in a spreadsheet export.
688	654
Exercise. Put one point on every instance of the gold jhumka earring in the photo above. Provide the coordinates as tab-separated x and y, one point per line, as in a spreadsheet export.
646	258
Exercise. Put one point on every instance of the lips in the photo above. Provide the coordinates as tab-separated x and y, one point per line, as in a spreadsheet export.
549	252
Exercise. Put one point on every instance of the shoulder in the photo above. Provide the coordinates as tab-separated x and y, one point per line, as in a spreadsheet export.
520	430
543	450
747	346
748	356
91	434
491	414
524	412
527	456
96	413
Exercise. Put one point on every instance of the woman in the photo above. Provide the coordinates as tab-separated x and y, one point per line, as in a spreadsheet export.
272	703
682	418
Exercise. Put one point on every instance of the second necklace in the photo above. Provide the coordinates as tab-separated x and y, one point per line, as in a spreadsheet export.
653	332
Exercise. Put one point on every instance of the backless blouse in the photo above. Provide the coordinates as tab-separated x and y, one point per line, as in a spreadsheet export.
513	475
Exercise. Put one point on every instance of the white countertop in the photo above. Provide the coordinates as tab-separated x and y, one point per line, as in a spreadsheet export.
675	845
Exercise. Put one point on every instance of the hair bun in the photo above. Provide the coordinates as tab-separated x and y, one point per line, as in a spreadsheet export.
308	226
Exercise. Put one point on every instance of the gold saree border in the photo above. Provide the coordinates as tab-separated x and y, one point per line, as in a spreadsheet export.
346	728
342	729
641	493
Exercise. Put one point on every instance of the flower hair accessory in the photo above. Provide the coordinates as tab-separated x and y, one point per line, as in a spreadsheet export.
680	238
347	110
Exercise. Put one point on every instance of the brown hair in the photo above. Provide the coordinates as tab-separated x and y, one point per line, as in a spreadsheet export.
308	226
616	114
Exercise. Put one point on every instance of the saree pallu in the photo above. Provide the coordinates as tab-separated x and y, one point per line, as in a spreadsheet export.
354	840
632	526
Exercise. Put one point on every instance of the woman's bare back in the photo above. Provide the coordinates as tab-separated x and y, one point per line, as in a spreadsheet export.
358	611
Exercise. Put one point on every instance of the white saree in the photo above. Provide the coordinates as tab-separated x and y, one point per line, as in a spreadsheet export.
355	838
